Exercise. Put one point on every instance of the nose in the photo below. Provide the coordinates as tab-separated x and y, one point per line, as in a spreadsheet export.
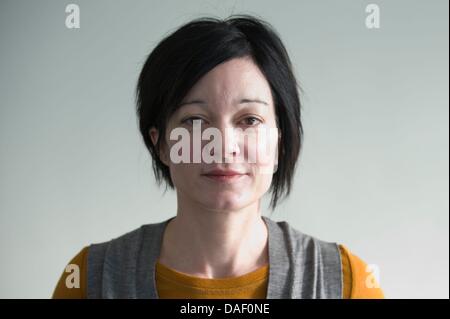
230	143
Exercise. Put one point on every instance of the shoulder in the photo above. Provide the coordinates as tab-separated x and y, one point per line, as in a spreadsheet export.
72	282
123	243
127	245
360	280
298	240
315	263
116	251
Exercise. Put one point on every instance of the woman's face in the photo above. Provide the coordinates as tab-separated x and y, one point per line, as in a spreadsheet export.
231	109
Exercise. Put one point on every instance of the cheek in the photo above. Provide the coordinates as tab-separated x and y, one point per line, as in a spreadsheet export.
262	182
184	175
262	150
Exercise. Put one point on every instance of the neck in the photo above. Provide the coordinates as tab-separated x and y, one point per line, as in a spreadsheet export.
215	244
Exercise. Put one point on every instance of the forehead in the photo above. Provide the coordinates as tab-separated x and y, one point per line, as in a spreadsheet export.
239	77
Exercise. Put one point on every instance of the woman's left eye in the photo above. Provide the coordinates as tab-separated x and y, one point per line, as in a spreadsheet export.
251	121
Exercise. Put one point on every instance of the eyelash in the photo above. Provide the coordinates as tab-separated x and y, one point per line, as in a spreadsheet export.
254	118
192	118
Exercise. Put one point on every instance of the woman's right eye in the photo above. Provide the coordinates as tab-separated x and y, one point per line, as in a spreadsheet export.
190	120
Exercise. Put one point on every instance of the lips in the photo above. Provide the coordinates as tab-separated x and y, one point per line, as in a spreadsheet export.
224	175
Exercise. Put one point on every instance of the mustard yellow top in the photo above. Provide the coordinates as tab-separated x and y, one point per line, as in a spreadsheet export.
172	284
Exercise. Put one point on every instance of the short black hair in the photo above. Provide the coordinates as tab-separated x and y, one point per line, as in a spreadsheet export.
195	48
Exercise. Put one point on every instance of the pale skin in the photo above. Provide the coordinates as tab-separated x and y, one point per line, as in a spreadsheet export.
218	231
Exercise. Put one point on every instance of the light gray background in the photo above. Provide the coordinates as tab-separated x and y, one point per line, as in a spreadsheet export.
373	174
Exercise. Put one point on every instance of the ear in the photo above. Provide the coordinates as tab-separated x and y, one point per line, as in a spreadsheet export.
154	136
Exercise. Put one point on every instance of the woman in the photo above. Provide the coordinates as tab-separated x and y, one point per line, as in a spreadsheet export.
225	84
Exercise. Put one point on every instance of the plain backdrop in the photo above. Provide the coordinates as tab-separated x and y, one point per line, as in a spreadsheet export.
373	173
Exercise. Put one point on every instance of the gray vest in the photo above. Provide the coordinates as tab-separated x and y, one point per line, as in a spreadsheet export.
300	266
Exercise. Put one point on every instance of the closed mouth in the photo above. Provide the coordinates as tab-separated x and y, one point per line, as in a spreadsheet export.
224	175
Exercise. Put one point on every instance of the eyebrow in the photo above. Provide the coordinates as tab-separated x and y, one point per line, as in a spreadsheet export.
242	101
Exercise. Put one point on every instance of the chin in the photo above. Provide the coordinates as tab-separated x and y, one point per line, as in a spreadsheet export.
222	203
